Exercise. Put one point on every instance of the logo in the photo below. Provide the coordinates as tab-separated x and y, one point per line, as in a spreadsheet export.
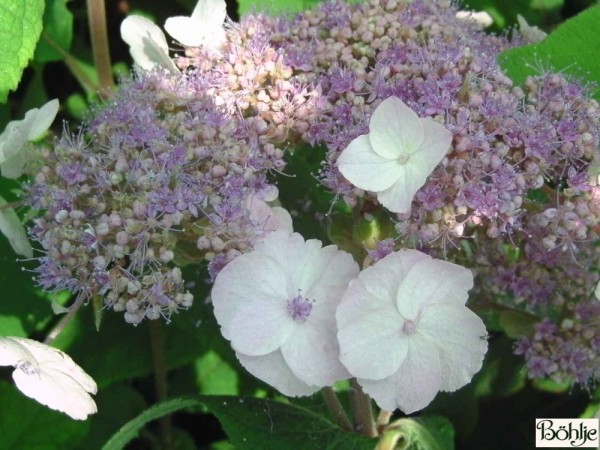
567	433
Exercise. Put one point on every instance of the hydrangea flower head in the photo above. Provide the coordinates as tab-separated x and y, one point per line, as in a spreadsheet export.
396	156
277	305
405	332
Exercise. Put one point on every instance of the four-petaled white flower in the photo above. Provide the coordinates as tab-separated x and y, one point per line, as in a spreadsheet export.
405	332
203	28
397	155
277	305
16	137
147	44
49	376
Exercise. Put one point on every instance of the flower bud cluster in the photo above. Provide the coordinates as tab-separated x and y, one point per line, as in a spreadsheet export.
165	173
570	348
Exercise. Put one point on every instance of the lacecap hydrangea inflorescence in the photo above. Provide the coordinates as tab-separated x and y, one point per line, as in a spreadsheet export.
168	169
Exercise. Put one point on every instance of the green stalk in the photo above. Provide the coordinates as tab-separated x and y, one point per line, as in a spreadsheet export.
159	361
99	36
335	407
363	411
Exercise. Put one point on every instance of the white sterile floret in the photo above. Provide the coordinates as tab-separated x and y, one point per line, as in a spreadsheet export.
266	217
147	44
277	305
204	27
405	332
530	33
597	291
16	138
49	376
12	228
481	18
397	155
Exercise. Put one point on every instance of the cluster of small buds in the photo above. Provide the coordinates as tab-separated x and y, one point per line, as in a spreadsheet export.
569	349
517	172
251	76
159	177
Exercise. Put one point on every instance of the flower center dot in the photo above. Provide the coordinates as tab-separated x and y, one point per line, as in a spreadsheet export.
299	308
403	158
409	327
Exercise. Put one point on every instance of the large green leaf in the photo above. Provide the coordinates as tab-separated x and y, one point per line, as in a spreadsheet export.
27	425
131	429
253	423
274	6
21	25
58	29
117	404
572	49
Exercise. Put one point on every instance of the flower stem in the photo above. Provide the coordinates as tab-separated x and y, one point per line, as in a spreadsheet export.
363	411
336	409
99	36
159	360
383	419
65	320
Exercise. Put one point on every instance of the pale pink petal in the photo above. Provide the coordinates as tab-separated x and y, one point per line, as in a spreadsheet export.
414	385
399	196
365	169
433	281
460	336
273	370
371	342
250	303
336	269
312	353
434	147
395	129
266	217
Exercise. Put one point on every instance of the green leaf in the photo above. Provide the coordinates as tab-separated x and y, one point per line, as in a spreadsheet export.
58	27
253	423
21	25
126	350
572	49
517	323
131	429
26	424
274	6
117	404
502	373
24	309
215	376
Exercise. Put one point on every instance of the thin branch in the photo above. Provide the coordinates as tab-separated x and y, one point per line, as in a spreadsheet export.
99	36
159	360
86	82
363	411
335	407
65	320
